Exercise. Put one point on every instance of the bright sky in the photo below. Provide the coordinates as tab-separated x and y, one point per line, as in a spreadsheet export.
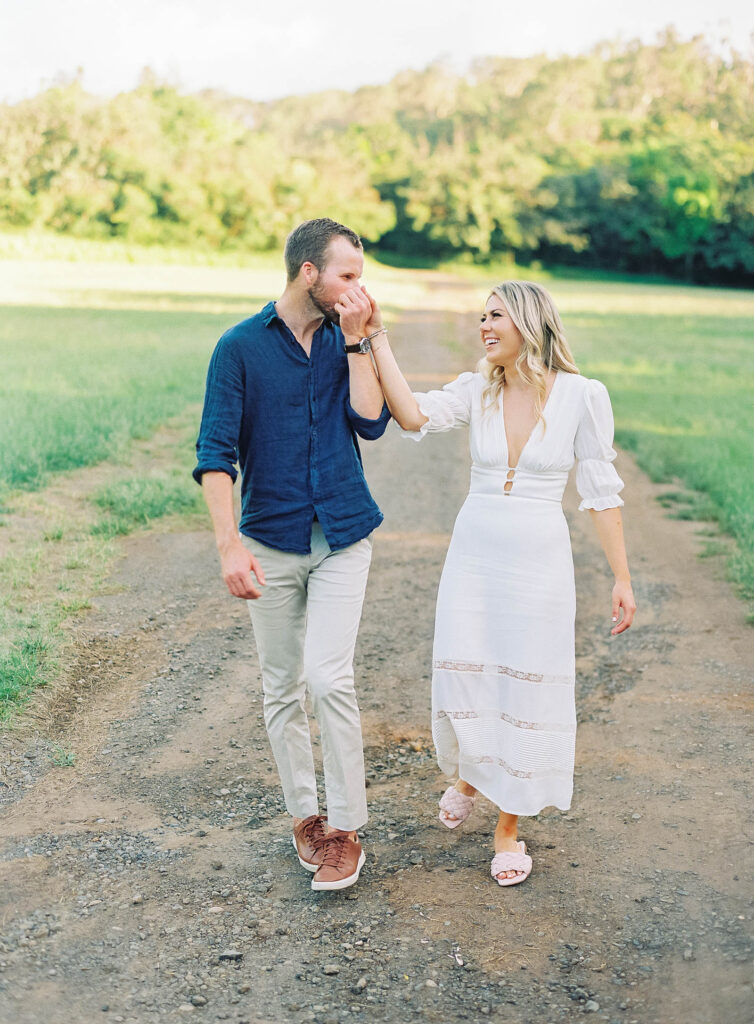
263	50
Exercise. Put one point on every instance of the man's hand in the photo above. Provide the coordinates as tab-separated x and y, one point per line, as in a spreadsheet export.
355	311
238	565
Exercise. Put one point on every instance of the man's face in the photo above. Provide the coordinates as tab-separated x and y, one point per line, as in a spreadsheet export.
344	265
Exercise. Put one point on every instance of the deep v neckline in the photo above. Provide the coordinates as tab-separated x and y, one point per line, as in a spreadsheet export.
558	374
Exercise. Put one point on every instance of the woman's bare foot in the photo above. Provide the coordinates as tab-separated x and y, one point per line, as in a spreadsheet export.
506	839
465	790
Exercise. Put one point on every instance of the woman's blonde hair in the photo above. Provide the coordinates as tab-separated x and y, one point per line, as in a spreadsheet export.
544	347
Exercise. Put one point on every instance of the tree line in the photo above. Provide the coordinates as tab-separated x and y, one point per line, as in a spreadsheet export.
631	157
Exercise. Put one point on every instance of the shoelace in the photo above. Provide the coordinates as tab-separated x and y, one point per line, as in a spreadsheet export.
314	833
334	848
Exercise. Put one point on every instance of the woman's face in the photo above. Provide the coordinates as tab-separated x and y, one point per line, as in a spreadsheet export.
501	338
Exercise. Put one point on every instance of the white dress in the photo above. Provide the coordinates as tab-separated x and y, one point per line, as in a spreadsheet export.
503	708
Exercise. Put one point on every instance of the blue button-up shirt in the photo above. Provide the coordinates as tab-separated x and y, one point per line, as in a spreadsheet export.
286	419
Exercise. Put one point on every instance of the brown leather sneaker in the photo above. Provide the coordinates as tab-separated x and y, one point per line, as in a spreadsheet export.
343	860
309	840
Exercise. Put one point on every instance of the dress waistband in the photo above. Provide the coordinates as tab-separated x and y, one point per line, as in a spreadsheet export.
516	482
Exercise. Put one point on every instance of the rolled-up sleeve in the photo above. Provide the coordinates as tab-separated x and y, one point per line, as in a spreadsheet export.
370	430
597	480
444	409
217	444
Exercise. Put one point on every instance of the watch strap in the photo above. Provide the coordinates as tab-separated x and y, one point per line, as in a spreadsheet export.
364	345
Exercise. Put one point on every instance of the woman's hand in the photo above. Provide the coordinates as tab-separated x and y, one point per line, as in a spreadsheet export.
609	525
623	601
375	320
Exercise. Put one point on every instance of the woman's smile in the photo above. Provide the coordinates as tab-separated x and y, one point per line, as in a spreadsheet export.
501	338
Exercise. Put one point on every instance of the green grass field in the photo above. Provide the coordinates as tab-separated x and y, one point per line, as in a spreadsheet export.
94	358
681	383
77	385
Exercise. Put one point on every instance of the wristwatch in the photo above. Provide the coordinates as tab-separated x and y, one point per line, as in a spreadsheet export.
363	346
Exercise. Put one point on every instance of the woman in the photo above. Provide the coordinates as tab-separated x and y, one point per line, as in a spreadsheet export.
503	709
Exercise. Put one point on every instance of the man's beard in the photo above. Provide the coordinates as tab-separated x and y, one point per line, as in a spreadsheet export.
327	311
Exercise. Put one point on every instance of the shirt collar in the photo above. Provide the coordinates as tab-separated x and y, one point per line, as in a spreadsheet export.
269	313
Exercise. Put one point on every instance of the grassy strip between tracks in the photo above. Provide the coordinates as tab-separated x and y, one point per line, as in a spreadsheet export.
88	384
56	547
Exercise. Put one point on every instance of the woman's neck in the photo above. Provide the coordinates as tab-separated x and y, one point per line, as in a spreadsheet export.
512	378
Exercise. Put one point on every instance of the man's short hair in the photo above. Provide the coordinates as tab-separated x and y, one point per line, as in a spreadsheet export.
309	241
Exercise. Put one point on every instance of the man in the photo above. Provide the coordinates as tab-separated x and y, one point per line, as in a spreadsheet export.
287	392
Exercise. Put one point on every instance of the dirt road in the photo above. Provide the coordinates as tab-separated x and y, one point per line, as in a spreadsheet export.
155	880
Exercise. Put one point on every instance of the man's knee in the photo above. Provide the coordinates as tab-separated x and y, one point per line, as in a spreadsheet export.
283	690
324	683
280	710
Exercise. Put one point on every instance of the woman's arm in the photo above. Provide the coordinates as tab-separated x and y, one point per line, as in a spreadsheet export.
609	526
359	317
403	406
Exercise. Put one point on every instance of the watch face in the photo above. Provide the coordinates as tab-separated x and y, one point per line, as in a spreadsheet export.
364	345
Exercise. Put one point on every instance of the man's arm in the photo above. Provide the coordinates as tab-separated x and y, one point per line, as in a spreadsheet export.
365	392
236	562
356	322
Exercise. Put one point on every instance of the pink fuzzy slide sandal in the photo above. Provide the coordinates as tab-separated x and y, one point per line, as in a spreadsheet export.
509	860
455	807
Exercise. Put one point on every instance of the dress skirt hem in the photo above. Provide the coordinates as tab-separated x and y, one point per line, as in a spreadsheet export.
523	804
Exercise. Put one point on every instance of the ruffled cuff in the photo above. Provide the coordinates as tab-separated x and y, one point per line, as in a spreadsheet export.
600	504
425	407
598	484
444	409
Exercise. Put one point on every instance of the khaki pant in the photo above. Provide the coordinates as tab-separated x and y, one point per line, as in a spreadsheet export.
305	625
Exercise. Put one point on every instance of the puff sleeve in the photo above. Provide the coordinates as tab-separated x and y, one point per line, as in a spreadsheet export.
597	480
445	409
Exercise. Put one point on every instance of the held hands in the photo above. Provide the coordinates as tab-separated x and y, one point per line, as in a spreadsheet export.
623	599
359	314
238	564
